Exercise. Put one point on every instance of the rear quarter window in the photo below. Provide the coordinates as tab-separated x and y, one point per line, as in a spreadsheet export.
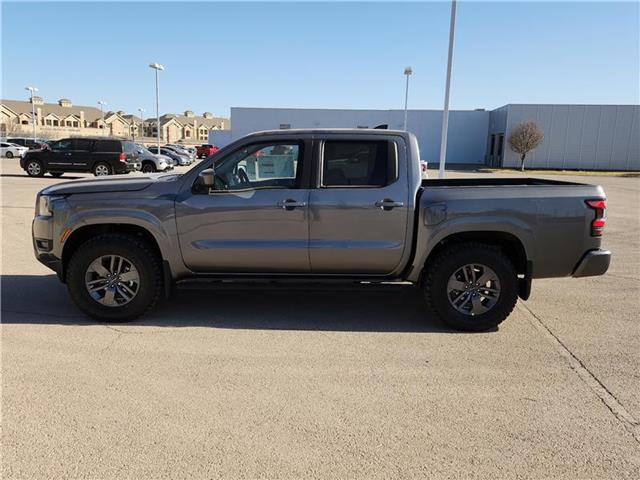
108	146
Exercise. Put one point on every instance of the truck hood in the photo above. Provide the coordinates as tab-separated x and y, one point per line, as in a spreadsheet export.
115	183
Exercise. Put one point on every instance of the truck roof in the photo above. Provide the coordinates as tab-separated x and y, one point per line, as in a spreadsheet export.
325	131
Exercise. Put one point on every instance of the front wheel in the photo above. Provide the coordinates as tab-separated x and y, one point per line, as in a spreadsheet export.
34	168
114	277
148	167
471	286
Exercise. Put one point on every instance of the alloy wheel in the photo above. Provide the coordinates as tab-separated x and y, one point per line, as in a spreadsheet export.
34	168
101	170
473	289
112	280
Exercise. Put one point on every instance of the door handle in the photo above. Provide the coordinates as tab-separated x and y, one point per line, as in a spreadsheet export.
388	204
290	204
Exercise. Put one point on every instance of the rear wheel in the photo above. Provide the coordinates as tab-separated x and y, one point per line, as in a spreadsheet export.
148	167
114	277
471	286
102	169
9	154
34	168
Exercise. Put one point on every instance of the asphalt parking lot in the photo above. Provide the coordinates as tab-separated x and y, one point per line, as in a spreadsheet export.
321	382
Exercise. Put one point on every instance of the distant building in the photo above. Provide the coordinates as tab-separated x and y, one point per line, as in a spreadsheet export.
63	119
187	128
594	137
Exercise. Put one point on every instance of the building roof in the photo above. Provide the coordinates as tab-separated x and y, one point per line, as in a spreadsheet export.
189	120
22	106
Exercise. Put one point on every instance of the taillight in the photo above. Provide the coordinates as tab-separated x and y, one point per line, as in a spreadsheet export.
597	224
122	157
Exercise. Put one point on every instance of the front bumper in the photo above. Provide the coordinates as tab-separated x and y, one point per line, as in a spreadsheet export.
42	235
593	263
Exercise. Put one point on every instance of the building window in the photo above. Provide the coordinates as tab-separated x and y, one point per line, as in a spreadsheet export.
285	126
25	122
56	123
76	124
187	134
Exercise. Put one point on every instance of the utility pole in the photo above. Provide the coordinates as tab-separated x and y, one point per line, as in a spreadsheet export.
102	103
407	72
33	111
157	67
445	113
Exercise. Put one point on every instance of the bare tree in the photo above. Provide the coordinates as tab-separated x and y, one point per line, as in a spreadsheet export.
525	137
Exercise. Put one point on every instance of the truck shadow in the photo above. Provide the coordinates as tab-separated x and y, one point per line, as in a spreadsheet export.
33	299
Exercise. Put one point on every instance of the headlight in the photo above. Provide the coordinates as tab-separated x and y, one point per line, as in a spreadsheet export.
43	207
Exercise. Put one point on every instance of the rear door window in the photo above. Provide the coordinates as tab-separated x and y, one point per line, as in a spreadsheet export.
83	144
359	163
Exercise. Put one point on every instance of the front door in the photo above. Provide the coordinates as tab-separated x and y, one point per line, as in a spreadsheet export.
60	156
254	219
359	212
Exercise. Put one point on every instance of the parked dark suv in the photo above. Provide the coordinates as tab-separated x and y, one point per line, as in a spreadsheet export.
101	156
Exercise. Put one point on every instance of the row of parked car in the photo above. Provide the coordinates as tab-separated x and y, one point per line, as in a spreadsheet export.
104	156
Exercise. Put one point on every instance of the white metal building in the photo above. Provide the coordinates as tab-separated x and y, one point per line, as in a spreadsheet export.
599	137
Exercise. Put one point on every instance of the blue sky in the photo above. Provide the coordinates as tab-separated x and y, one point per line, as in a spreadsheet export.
322	55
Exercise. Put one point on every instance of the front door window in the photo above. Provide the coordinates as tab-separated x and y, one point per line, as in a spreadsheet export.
260	166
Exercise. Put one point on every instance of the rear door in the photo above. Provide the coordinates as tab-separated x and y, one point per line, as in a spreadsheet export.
360	209
82	148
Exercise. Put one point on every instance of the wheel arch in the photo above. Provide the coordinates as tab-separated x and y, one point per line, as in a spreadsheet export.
81	234
510	244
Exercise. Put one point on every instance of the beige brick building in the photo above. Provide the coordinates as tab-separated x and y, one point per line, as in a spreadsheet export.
63	119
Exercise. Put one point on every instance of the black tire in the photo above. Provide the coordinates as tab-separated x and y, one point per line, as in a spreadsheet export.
451	260
100	167
9	154
56	174
148	167
135	250
34	168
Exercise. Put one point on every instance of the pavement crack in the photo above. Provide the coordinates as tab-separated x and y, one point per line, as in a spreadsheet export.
607	397
112	342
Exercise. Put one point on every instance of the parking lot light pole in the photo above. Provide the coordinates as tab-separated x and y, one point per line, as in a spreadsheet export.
141	111
33	110
445	113
157	67
102	103
407	72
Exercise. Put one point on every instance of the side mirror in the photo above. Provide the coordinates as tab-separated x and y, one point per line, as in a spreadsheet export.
207	177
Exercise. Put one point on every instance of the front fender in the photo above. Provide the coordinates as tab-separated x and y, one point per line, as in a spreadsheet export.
158	221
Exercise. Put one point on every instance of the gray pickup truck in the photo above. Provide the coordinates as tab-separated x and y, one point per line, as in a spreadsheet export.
337	205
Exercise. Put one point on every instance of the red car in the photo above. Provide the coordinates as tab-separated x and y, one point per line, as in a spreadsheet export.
204	151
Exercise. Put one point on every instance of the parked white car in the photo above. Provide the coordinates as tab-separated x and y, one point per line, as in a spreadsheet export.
11	150
152	162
